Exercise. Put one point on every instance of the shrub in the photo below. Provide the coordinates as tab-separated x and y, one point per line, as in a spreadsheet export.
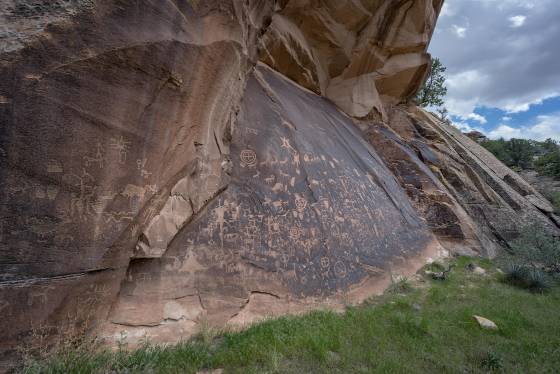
527	277
534	260
537	248
491	361
399	285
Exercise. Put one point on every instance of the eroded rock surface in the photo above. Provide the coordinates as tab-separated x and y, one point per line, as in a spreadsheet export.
303	218
155	176
360	54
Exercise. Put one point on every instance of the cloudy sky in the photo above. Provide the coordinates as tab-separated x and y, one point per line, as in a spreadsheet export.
503	65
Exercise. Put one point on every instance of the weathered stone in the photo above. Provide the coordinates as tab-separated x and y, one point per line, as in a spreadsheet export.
485	323
296	220
358	54
154	176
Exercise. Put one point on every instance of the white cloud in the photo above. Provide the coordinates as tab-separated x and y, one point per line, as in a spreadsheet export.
477	117
517	21
547	126
465	127
517	106
493	65
506	118
459	31
446	10
504	131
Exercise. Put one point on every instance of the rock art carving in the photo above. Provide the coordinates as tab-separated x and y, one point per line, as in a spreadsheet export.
178	178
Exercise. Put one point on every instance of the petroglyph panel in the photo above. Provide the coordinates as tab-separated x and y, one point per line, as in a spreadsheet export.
311	206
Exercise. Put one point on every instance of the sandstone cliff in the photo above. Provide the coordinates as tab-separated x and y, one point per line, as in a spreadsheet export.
169	163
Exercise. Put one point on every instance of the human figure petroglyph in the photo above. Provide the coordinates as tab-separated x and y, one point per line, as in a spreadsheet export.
232	268
82	205
101	290
134	230
98	159
141	167
144	277
122	146
219	214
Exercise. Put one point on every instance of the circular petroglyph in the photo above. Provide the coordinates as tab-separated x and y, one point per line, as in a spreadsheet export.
340	269
248	157
294	232
301	203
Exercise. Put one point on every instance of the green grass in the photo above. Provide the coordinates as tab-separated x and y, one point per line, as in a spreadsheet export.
427	329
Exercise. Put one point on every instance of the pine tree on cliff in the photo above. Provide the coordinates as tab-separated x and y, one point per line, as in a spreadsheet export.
433	90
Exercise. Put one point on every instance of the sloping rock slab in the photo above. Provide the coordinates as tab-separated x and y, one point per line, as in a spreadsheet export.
311	212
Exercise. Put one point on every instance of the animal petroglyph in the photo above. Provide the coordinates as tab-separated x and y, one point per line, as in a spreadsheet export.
132	191
285	143
40	295
250	131
118	217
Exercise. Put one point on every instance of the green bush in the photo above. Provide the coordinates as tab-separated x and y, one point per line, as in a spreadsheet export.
527	277
491	361
537	248
534	262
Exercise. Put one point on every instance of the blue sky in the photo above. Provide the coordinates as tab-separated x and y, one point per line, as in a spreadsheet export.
503	66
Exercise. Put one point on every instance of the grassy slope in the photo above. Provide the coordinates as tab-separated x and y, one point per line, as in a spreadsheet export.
427	329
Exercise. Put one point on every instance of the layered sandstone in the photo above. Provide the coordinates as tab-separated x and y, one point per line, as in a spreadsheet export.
168	164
